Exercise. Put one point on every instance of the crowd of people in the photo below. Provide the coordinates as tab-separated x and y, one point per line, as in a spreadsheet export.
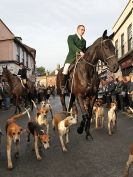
119	89
6	99
43	92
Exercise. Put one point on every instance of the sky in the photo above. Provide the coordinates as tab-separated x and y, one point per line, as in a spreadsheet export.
46	24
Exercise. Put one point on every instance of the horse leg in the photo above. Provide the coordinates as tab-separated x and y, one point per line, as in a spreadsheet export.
90	108
62	98
84	115
19	108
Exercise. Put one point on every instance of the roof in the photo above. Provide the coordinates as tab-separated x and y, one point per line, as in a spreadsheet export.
27	48
6	26
121	13
18	40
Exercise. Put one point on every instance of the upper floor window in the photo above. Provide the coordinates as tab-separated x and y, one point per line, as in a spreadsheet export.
129	35
23	56
18	53
27	60
116	48
122	44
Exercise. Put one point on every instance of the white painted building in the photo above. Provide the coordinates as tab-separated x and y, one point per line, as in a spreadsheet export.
123	39
13	51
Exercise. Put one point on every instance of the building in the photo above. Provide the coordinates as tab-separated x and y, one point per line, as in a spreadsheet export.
13	51
123	39
46	80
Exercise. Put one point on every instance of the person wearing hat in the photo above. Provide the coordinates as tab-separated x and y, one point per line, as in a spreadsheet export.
22	73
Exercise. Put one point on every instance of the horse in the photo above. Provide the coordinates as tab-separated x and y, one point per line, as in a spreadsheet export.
83	81
18	90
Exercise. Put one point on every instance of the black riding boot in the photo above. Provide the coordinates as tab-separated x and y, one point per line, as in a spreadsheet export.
63	83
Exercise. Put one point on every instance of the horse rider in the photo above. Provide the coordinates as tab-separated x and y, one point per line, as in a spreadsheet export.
22	74
77	47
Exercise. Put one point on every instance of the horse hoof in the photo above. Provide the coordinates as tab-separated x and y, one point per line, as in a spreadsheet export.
80	130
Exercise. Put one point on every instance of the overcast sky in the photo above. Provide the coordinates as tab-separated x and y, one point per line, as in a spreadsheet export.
45	24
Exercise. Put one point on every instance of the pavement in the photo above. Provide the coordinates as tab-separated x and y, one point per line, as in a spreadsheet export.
105	156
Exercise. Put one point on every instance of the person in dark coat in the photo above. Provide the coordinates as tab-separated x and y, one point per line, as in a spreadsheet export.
22	73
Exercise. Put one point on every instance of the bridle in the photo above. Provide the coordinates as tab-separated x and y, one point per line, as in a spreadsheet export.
104	58
102	48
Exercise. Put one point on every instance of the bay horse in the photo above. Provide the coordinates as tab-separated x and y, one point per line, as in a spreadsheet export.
85	78
17	89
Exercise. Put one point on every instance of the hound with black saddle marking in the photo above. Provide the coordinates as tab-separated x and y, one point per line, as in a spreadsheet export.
41	116
39	135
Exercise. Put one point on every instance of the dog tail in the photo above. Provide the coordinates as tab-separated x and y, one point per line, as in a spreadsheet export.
35	106
131	109
27	111
15	117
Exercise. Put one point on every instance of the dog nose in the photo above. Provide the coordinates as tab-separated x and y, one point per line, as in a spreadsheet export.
17	140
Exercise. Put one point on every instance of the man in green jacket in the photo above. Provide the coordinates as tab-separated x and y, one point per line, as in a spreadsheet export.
76	45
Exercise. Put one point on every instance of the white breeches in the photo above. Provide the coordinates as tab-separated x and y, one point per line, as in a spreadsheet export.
65	70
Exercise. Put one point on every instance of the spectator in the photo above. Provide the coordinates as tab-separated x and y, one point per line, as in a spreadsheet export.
111	94
1	94
131	91
6	95
121	92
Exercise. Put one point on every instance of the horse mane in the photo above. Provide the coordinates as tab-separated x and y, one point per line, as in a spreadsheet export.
92	45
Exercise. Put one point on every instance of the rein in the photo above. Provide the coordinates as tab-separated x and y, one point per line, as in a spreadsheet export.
106	58
77	61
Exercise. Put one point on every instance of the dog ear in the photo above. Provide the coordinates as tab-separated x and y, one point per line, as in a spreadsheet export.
38	113
66	123
23	130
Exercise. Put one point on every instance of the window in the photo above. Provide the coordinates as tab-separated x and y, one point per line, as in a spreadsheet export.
116	48
129	35
18	53
122	44
23	56
26	60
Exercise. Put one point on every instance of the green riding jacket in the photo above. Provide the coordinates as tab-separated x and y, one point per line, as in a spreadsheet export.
75	45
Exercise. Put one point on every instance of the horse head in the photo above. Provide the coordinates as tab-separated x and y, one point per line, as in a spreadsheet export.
107	52
4	72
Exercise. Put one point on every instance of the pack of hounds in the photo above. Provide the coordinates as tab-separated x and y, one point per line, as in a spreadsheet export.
38	127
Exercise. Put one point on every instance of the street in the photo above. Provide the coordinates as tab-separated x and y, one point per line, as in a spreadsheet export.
105	156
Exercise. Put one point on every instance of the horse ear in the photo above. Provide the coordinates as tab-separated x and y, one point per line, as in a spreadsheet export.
104	34
6	66
111	36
